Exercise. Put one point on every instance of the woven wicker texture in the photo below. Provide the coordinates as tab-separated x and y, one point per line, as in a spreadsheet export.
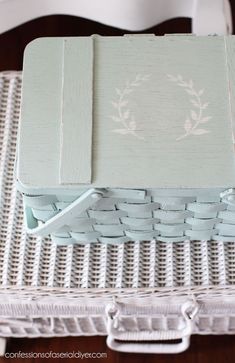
43	287
116	219
62	326
36	262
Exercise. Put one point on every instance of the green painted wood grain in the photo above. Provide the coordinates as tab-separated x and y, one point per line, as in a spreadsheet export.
76	111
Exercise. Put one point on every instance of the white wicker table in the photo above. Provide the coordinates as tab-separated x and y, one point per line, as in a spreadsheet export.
46	290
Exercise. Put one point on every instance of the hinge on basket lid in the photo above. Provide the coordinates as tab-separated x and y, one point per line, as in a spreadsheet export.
228	196
76	111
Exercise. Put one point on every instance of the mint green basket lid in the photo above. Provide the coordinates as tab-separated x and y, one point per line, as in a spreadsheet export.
126	112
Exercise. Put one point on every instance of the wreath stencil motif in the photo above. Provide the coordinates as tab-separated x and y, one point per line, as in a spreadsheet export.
192	125
124	116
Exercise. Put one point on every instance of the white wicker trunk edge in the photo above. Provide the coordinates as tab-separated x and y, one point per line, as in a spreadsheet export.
49	290
140	317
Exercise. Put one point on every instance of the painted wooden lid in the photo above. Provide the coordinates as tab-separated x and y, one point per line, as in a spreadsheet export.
131	112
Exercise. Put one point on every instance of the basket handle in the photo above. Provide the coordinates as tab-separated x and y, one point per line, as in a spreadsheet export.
80	205
152	348
138	341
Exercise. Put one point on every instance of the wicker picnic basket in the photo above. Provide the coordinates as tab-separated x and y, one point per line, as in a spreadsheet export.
91	172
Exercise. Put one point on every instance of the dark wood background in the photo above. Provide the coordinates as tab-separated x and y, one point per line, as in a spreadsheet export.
203	349
13	42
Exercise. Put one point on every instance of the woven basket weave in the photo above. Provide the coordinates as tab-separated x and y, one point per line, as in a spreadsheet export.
117	219
50	290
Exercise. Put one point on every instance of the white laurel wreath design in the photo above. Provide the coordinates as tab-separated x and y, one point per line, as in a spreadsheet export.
124	115
196	117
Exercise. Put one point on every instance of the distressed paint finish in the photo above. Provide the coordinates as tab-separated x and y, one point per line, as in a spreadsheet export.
151	116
